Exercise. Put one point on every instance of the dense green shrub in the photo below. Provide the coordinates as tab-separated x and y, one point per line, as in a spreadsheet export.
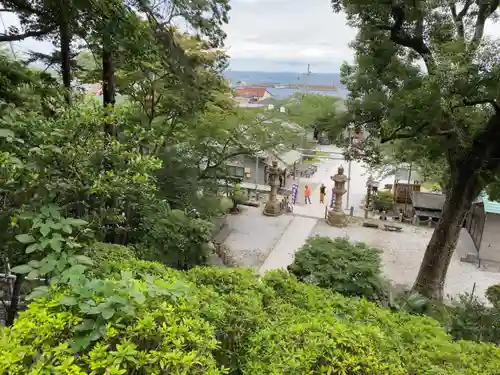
101	252
383	201
175	238
159	337
469	318
347	268
493	294
105	256
227	319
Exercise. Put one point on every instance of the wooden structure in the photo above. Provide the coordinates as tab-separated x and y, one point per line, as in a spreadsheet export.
483	224
474	223
427	207
403	192
406	182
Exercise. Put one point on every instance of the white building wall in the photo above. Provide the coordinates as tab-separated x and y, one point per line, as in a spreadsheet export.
490	243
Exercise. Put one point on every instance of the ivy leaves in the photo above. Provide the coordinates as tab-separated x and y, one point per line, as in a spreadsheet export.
101	301
52	248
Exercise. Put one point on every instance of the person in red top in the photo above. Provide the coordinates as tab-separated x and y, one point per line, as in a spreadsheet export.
307	194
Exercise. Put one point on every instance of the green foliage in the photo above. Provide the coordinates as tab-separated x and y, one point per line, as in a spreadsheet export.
383	201
470	319
178	239
54	246
493	294
233	319
105	256
337	264
426	78
133	326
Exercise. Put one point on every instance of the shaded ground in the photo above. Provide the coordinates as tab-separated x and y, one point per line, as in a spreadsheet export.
253	235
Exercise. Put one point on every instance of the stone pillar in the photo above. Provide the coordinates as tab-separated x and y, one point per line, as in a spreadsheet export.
273	207
336	216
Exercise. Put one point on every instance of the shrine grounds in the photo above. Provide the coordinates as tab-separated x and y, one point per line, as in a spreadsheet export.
266	243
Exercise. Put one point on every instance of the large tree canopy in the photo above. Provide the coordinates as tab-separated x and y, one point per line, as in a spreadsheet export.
426	73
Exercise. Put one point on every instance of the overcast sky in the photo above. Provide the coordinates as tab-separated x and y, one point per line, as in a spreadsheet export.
286	35
277	35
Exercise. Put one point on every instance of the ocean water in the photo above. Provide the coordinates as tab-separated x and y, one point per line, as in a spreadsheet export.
286	78
283	78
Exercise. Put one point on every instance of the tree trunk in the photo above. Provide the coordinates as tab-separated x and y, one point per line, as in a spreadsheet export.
108	80
14	301
65	36
108	77
432	274
470	176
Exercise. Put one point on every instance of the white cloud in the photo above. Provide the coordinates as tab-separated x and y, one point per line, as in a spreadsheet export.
276	35
287	35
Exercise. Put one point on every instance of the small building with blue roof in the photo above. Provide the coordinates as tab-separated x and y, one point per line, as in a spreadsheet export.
483	224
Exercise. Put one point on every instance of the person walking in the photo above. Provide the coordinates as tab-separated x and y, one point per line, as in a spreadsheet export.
307	194
322	193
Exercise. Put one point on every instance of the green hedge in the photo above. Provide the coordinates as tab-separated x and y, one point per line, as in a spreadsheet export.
352	269
384	201
229	321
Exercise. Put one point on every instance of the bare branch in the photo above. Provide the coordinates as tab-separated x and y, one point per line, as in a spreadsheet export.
458	18
465	9
397	135
416	43
402	38
16	37
486	9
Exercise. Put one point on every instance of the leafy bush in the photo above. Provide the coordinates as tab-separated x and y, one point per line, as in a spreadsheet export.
144	333
350	269
493	294
210	320
105	255
469	319
175	238
383	201
237	198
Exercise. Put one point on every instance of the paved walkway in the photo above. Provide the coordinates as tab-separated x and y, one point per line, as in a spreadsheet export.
326	169
292	239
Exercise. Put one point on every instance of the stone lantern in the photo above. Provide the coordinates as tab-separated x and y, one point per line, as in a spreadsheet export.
371	188
273	207
336	216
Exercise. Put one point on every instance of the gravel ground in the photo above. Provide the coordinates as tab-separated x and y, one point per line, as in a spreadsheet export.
403	253
253	236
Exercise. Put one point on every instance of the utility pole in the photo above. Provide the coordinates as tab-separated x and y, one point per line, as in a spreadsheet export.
10	43
304	136
350	128
408	192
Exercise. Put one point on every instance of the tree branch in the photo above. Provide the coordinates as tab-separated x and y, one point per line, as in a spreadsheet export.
402	38
16	37
486	9
416	43
397	135
458	18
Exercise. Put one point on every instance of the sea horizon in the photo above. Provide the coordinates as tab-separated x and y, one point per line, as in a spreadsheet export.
282	78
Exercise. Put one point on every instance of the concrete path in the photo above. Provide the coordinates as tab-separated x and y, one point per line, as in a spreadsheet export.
292	239
326	169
